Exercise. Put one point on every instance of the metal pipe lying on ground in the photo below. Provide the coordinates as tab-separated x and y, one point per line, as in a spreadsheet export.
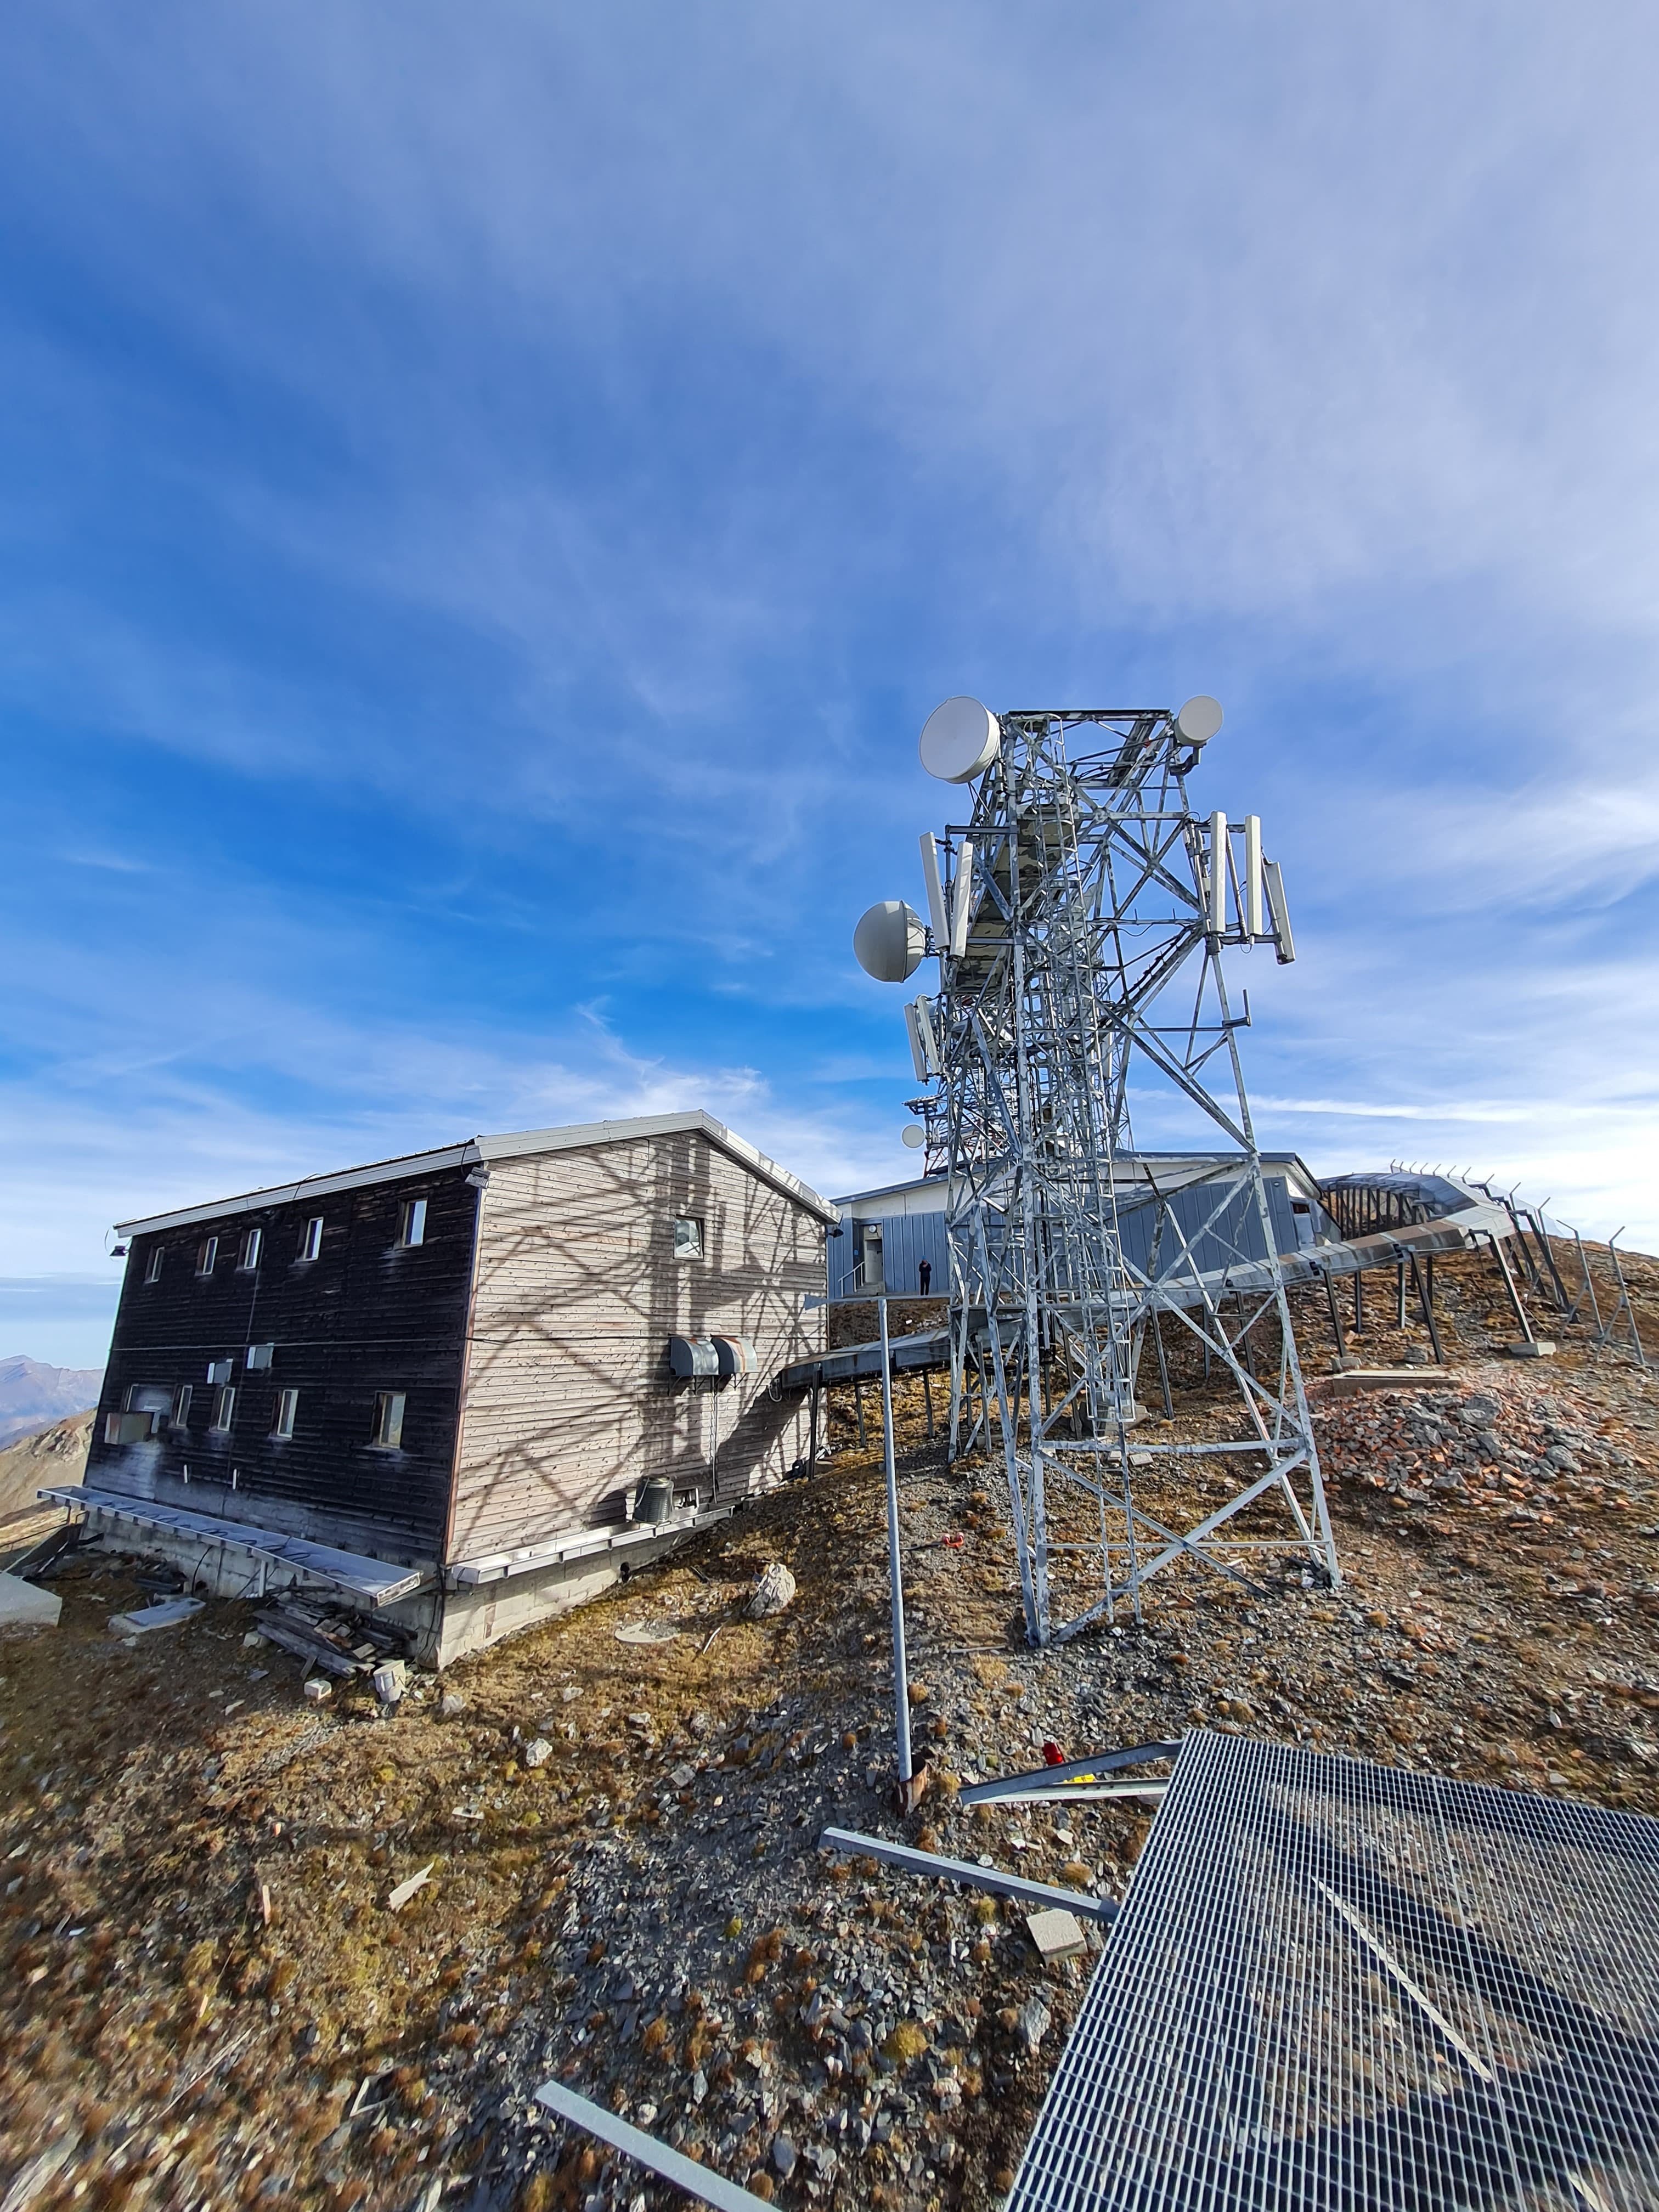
963	1870
684	2172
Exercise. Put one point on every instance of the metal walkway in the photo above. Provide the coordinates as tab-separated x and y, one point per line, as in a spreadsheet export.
1463	1232
1334	1984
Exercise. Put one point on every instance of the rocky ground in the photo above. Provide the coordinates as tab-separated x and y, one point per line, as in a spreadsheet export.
206	1995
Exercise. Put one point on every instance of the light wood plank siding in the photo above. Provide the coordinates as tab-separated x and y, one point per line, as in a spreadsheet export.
570	1402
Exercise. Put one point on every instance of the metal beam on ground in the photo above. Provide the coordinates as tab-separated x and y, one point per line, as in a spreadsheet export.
1040	1893
1071	1770
658	2157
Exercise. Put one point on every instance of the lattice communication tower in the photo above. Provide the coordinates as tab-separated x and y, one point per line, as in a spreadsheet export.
1078	916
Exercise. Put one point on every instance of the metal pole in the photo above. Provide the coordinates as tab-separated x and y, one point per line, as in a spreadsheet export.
1535	1215
1588	1288
1336	1319
1508	1284
895	1571
1626	1306
1428	1310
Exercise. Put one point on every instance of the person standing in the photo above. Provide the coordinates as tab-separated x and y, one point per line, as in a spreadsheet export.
925	1275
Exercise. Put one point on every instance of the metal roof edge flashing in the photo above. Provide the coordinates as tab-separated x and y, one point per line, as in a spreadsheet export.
520	1145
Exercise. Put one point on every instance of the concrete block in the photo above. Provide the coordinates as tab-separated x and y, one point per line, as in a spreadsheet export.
23	1606
171	1612
1356	1379
1540	1347
1057	1934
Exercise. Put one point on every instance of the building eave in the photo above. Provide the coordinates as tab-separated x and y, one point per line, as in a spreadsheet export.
479	1152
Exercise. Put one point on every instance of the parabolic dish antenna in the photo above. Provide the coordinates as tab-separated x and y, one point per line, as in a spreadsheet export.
914	1135
959	739
1200	719
889	941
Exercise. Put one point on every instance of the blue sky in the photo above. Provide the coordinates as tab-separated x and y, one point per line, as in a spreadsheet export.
490	496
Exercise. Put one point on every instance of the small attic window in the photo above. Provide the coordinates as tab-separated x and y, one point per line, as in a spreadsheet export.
248	1256
311	1244
206	1253
412	1230
153	1272
688	1237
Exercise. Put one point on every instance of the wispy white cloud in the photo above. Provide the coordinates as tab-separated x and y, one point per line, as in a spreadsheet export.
622	426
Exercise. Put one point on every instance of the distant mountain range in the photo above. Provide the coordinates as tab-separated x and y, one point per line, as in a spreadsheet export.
34	1396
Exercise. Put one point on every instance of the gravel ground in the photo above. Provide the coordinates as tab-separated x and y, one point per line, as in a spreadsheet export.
206	1997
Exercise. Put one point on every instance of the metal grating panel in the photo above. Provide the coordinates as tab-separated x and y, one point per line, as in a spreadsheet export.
1339	1984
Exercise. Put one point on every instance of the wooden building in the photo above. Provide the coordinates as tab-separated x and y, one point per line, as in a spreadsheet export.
465	1386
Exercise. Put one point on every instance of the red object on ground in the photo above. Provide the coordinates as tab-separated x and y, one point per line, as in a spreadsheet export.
1052	1756
953	1542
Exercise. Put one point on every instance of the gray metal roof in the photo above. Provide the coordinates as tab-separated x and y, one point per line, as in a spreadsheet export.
1199	1162
526	1143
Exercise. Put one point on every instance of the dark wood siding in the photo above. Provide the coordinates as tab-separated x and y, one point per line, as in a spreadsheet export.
365	1316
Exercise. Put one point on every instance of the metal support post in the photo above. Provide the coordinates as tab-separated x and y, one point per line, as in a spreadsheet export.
1358	1302
858	1407
1336	1318
1428	1310
1587	1287
1624	1305
1508	1284
813	1432
895	1571
1535	1215
1162	1366
927	1401
1400	1295
1533	1276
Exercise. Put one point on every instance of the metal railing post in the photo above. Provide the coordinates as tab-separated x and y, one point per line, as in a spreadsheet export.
895	1571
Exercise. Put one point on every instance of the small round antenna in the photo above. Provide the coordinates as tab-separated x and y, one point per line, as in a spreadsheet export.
1200	719
914	1135
959	740
889	941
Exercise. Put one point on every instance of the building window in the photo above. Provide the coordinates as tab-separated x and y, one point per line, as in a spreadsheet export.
181	1407
224	1409
288	1404
153	1272
688	1237
206	1253
248	1256
312	1243
413	1229
259	1356
389	1420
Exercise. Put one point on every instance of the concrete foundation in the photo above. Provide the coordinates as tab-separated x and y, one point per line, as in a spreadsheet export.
445	1624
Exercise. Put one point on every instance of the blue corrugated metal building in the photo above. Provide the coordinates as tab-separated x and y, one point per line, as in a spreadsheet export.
884	1237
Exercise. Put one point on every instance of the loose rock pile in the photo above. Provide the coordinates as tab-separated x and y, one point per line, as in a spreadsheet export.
1496	1438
